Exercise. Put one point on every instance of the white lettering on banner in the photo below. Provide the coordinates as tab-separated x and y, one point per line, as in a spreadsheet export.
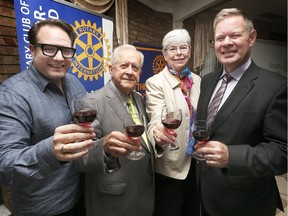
28	55
24	8
26	26
93	35
53	14
40	15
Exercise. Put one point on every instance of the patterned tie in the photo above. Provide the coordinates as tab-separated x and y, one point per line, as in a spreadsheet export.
136	120
213	108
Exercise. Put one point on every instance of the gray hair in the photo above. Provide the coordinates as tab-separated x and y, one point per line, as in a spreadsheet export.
176	36
114	57
230	12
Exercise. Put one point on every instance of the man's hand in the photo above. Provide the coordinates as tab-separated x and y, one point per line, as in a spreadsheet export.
72	141
119	144
215	153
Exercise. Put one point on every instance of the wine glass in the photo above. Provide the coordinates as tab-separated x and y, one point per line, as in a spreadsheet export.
201	133
134	126
84	111
171	119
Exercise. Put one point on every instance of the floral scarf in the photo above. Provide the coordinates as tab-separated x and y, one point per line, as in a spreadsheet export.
186	82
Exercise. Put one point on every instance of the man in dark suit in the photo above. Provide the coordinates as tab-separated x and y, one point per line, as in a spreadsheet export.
116	185
248	140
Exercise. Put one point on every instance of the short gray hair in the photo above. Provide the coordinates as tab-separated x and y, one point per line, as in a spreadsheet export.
176	36
114	57
230	12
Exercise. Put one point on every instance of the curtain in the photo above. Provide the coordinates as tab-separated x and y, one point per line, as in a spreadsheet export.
121	21
210	62
203	36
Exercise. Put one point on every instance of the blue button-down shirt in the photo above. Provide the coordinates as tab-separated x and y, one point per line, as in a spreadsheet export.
31	108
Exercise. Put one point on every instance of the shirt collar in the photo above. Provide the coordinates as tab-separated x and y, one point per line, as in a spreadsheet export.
40	80
123	97
237	74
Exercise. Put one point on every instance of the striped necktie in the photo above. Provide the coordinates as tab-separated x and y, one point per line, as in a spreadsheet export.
213	108
132	110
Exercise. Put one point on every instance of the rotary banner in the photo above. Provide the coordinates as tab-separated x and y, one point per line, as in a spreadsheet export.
94	37
153	63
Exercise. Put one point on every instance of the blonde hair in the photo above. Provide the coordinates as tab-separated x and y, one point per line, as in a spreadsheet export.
230	12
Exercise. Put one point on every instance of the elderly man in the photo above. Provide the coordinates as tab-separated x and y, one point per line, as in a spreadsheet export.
116	185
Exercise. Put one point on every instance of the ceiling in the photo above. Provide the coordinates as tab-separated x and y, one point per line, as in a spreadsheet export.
270	11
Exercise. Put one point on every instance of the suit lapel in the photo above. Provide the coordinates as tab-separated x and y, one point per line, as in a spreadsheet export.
206	94
241	90
115	102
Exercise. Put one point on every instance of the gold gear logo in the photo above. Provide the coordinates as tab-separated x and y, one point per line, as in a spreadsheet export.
158	64
92	51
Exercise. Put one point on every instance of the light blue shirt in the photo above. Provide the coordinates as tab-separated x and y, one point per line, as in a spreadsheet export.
30	109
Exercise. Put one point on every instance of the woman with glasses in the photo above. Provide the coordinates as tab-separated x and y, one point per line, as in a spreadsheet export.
174	87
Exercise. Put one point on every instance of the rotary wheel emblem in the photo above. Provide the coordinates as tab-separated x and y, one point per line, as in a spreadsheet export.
158	64
92	51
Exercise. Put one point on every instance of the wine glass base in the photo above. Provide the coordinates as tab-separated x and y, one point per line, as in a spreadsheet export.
135	155
95	144
170	147
198	157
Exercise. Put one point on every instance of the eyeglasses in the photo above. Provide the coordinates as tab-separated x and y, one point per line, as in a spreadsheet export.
51	50
174	49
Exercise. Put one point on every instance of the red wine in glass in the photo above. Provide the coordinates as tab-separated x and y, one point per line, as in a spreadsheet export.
133	125
85	117
201	133
171	123
135	130
171	119
84	112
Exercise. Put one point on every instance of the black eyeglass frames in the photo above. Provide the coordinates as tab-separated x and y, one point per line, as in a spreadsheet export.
51	50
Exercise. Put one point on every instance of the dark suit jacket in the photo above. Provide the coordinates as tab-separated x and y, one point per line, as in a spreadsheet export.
129	190
253	124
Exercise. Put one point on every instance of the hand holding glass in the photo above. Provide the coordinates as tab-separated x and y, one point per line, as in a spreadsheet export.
84	111
171	119
201	133
134	126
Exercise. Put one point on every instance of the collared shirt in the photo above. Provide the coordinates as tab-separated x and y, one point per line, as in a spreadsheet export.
236	74
123	98
31	108
121	95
